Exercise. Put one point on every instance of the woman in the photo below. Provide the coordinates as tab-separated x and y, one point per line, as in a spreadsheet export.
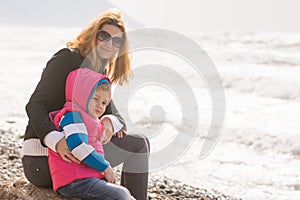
102	46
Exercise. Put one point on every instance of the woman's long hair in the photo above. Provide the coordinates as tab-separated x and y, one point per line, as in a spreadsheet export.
119	66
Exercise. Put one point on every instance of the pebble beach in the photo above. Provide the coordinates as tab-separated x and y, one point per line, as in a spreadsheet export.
14	186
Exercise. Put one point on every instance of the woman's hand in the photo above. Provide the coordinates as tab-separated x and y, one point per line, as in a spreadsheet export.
121	134
108	130
109	175
65	153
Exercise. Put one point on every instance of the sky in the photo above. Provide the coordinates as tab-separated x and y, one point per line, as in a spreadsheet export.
188	15
217	15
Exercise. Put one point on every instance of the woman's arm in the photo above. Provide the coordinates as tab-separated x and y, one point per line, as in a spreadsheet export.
77	140
112	110
49	94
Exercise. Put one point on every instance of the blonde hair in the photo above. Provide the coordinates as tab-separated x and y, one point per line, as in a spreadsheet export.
119	66
105	87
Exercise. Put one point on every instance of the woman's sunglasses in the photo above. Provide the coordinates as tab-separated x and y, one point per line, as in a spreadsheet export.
104	36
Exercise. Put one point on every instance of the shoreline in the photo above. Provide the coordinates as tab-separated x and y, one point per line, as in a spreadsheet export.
13	184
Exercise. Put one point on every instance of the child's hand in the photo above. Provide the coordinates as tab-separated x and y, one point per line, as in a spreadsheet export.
109	175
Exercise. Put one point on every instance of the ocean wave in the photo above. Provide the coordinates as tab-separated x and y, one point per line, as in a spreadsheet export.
265	81
273	49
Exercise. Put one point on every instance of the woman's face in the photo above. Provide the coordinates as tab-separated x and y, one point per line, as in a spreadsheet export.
107	48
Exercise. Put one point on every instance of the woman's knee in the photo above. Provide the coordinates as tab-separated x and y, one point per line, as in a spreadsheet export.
143	143
148	143
36	170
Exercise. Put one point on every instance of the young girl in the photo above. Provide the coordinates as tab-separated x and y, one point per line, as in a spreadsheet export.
87	95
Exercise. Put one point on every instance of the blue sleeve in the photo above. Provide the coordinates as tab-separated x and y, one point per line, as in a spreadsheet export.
93	159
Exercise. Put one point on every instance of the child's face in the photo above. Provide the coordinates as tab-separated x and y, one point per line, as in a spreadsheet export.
98	103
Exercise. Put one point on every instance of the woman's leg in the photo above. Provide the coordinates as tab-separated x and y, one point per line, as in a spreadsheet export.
36	170
94	188
133	151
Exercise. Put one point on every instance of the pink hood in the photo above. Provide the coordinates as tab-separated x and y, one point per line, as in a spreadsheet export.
81	84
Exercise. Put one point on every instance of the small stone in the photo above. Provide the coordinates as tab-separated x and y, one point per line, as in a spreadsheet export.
162	186
169	191
176	193
13	156
152	195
